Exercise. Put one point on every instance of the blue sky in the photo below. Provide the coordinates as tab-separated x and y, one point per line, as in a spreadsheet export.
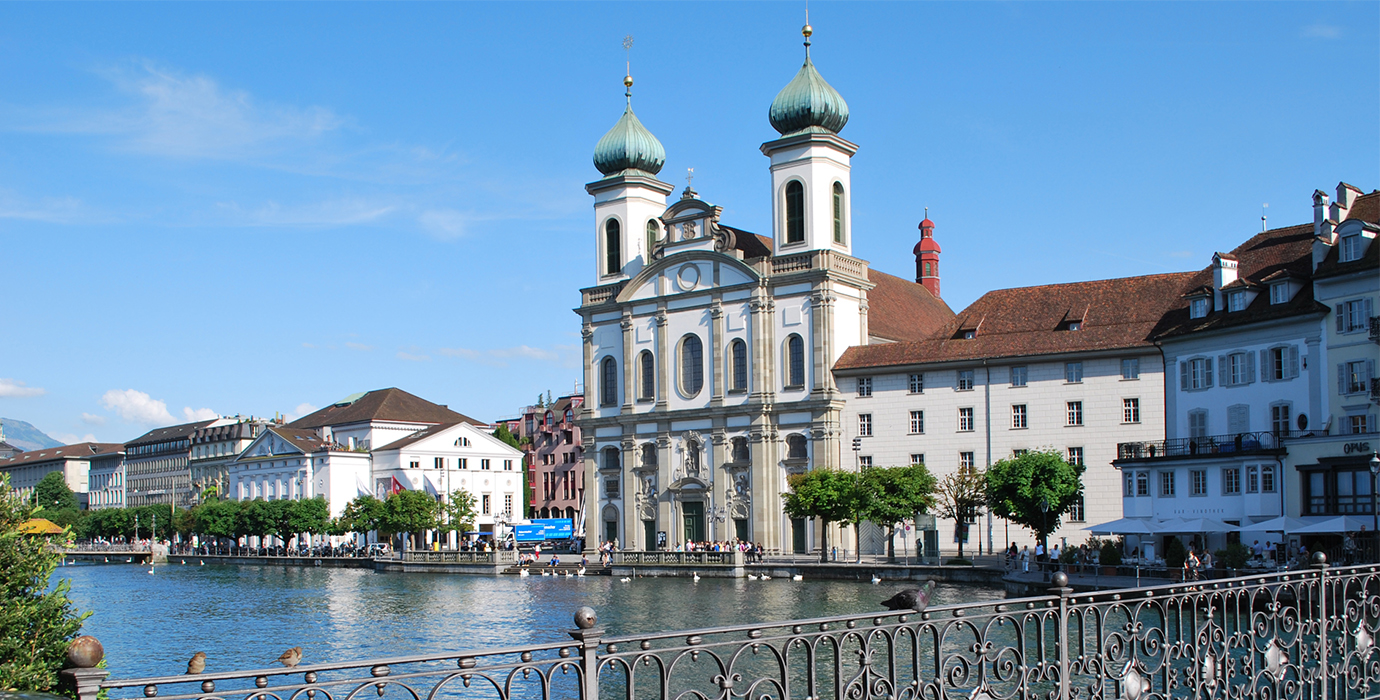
256	208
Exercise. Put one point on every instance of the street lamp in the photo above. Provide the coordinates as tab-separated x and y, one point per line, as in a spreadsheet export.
1375	514
1044	523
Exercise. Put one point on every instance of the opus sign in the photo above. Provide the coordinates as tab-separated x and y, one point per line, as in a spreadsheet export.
1352	448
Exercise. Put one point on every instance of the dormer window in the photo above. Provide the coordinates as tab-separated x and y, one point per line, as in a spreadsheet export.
1279	292
1197	308
969	335
1236	301
1350	248
1075	325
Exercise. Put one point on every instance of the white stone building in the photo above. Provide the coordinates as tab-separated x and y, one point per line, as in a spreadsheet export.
707	348
1068	366
291	464
75	462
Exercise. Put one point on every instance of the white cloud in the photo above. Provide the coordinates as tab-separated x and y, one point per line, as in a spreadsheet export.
137	407
52	210
92	419
498	357
359	346
1319	30
444	224
301	410
196	414
15	389
412	358
525	351
72	438
337	212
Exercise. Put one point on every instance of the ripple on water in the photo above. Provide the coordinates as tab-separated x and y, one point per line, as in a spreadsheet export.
244	616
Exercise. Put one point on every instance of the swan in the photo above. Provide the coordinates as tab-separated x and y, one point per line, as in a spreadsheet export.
696	575
766	577
797	577
523	572
581	572
752	577
150	569
875	579
625	579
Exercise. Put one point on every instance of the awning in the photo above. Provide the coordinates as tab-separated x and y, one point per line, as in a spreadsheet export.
1283	523
1123	526
39	526
1194	525
1339	524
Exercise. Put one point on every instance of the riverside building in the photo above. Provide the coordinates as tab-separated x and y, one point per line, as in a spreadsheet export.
75	462
156	465
707	349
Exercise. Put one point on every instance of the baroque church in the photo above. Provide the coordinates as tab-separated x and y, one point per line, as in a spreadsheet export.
708	349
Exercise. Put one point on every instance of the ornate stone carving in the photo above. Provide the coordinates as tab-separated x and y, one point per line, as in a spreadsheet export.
688	231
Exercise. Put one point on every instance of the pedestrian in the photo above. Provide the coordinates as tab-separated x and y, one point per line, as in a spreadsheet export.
1271	554
1025	559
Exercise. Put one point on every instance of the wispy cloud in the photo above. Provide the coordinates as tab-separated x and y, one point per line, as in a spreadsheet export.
15	389
72	438
410	357
359	346
92	419
55	210
443	223
329	213
1320	30
499	357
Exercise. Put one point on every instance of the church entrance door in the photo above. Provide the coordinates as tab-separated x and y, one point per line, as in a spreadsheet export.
649	533
694	520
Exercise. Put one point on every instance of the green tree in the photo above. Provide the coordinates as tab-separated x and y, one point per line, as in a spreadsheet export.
258	518
895	494
217	519
37	620
831	495
507	436
310	515
458	512
52	493
958	497
361	515
412	512
1034	490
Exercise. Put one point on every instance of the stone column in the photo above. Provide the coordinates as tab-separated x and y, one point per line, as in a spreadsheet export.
720	485
627	481
663	359
587	332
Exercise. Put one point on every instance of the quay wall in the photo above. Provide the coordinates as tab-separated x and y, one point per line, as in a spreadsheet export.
326	562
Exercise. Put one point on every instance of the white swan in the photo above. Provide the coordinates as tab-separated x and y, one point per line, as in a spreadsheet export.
875	579
523	572
696	575
752	577
625	579
797	577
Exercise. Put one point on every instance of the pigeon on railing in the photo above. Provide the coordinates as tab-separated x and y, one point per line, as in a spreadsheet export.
916	599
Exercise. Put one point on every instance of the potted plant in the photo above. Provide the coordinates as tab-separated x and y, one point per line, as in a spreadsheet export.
1110	558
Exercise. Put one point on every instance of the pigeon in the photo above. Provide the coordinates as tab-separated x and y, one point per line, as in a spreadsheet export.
797	577
876	579
916	599
291	657
197	664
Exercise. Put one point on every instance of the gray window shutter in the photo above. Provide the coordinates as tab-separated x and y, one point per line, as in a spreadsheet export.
1341	379
1366	310
1341	318
1207	374
1222	368
1293	361
1250	367
1370	371
1264	365
1183	376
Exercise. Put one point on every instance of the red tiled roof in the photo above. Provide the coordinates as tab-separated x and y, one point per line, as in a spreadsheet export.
80	450
1366	207
1024	321
390	404
899	309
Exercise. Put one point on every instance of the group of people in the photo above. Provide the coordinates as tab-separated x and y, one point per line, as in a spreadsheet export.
1048	559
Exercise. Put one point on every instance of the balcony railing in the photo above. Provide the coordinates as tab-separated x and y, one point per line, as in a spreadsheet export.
501	556
1179	448
1295	634
679	558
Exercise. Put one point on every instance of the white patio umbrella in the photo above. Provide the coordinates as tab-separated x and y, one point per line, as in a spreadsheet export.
1341	523
1194	525
1283	523
1123	526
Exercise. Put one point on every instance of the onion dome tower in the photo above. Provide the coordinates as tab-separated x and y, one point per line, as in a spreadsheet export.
810	164
629	198
927	257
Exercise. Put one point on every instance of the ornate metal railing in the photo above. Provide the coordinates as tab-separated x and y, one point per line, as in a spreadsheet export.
679	558
502	556
1298	634
1237	443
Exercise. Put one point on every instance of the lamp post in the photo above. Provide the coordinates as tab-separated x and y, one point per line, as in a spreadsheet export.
136	530
1375	514
1044	524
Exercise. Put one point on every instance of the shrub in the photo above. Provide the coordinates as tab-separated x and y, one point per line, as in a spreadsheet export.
958	562
1174	553
37	622
1234	556
1111	554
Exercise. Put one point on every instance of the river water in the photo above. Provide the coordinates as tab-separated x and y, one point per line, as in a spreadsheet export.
243	617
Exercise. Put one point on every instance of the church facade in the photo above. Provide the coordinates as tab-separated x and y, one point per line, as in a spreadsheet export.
708	349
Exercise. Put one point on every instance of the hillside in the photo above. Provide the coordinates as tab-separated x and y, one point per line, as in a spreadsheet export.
25	436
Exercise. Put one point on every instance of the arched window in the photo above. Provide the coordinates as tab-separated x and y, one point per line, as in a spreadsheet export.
795	446
737	352
613	248
649	454
795	358
653	233
691	365
611	458
838	212
647	371
928	270
608	382
795	212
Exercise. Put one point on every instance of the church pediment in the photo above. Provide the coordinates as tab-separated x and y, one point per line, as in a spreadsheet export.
687	272
689	485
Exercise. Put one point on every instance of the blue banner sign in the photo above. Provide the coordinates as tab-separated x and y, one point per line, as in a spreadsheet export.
544	529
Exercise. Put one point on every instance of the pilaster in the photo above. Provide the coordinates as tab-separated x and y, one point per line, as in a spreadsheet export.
629	362
717	370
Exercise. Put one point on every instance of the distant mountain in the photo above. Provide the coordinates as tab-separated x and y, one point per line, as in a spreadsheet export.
25	436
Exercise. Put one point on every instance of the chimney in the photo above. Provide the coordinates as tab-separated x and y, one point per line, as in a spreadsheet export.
1346	196
1223	273
927	257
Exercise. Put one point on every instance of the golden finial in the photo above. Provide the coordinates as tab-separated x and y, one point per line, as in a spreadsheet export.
807	30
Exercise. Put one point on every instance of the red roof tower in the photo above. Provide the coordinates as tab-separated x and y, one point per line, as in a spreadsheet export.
927	258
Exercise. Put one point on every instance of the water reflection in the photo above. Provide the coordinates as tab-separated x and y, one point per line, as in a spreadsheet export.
243	617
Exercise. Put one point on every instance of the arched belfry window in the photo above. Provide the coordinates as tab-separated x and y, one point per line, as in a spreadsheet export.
795	361
653	233
608	382
838	212
691	365
737	353
795	212
613	248
647	379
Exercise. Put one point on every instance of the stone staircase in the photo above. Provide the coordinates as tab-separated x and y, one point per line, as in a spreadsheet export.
536	569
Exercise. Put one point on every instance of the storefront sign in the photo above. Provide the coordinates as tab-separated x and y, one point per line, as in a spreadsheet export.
1352	448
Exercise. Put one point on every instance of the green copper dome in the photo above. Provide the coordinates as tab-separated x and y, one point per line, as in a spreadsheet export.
629	146
808	101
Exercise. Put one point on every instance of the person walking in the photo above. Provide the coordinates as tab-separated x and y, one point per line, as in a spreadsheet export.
1025	559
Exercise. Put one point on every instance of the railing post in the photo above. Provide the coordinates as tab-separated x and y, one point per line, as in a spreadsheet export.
588	637
1320	564
83	677
1061	588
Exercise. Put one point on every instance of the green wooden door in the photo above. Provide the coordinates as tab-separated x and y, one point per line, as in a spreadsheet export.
694	520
